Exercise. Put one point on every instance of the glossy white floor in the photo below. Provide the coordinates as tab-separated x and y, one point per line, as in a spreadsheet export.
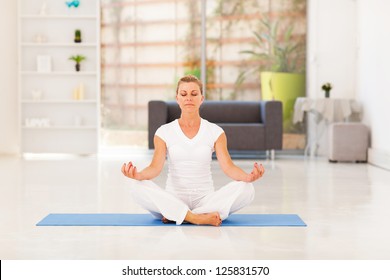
346	207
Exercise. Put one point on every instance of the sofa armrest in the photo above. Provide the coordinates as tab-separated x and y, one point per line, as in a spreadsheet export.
157	116
272	117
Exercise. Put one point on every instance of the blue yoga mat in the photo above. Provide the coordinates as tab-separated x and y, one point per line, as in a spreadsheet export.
235	220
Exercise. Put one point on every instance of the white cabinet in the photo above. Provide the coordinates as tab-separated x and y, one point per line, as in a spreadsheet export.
59	106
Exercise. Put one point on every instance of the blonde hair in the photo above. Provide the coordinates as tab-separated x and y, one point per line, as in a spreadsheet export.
190	79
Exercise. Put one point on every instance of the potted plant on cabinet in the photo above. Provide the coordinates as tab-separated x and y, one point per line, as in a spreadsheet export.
281	65
77	58
77	36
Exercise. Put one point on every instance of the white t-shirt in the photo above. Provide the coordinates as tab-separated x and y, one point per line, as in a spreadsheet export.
189	160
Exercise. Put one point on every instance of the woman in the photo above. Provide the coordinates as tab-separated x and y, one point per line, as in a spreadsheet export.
189	143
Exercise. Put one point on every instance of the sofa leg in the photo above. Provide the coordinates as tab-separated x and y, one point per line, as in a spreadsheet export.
272	154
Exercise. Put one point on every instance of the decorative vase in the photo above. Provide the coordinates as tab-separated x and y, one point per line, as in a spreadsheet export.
77	67
327	93
286	87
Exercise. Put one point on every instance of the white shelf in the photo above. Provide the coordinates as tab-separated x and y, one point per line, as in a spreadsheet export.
61	45
55	73
65	127
50	17
72	102
73	124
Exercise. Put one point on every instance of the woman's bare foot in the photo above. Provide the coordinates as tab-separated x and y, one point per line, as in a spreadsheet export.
166	221
212	219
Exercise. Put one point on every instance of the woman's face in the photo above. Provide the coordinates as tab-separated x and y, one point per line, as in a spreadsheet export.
189	97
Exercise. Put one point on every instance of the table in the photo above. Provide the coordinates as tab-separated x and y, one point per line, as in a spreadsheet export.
326	111
330	109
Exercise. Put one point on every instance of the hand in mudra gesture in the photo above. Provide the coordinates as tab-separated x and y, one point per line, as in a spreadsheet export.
257	172
129	170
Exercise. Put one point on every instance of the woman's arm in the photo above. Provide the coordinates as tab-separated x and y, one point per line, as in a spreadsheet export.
229	168
154	168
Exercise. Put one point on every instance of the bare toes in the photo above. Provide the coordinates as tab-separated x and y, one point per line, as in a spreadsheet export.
166	221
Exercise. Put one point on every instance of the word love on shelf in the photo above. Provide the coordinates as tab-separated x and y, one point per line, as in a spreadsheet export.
37	122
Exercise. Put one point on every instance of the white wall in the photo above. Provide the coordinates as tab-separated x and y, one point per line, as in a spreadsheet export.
332	47
374	75
332	55
8	78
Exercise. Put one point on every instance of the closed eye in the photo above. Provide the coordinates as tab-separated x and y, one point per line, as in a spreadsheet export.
193	93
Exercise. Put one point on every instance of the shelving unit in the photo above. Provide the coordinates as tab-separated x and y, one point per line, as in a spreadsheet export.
53	118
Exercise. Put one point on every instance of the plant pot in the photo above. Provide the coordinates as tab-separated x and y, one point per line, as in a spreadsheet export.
286	87
327	93
77	67
77	36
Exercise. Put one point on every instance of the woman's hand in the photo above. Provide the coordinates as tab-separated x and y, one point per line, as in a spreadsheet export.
154	168
129	170
257	172
230	168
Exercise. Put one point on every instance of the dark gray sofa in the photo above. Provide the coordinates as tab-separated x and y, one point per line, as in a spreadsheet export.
249	125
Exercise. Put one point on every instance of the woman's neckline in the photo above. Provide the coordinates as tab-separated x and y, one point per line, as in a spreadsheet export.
185	136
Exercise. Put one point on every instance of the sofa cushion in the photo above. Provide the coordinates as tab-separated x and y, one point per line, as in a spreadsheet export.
250	136
173	111
231	112
223	112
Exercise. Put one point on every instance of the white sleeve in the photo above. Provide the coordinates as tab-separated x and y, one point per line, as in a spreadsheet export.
216	131
160	132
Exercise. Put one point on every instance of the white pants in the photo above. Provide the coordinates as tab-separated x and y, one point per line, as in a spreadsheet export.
162	203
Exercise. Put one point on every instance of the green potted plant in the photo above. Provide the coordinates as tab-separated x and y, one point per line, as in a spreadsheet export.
281	65
77	58
77	36
327	87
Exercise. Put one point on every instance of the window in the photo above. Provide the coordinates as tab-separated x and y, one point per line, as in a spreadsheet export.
148	45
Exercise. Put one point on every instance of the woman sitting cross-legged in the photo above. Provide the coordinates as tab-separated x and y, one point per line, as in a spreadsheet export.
188	143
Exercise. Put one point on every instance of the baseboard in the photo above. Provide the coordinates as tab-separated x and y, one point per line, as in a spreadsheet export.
379	158
263	154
